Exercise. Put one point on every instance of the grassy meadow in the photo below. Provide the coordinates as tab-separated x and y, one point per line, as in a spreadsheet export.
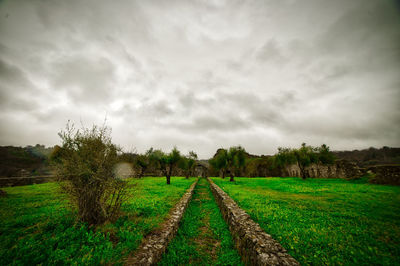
37	227
324	221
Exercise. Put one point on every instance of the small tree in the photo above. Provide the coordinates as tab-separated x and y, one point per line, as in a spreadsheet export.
219	162
235	160
85	170
305	156
325	156
188	163
166	162
285	156
143	162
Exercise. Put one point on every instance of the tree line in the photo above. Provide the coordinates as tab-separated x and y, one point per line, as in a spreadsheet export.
236	161
85	167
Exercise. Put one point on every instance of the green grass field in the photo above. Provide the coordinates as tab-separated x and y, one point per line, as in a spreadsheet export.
36	227
324	221
203	237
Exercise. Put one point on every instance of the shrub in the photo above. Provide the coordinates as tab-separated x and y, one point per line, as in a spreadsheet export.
85	170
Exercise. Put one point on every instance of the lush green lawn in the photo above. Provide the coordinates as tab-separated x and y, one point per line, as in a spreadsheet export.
36	227
203	237
324	221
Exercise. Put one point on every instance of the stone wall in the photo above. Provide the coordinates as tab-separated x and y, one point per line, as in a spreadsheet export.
155	244
23	181
254	245
340	169
385	174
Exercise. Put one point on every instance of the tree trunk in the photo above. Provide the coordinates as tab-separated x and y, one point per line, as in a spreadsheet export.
232	177
141	173
168	175
223	174
302	171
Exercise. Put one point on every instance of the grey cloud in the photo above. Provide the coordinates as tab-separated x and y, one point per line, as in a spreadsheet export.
13	75
202	74
270	51
86	80
205	124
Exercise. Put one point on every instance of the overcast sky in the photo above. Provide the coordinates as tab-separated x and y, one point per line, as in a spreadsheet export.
202	74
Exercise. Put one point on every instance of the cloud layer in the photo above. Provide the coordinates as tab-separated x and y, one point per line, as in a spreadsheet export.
202	74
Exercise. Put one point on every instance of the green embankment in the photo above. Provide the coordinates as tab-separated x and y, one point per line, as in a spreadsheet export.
324	221
203	237
37	228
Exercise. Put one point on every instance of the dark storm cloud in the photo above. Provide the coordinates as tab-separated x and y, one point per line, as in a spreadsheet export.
203	74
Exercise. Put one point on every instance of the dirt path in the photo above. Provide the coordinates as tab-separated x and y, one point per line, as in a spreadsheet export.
203	237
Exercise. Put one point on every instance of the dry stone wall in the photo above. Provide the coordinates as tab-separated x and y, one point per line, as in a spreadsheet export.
385	175
340	169
23	181
254	245
155	244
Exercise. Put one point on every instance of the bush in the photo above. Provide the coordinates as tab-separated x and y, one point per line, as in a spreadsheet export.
85	170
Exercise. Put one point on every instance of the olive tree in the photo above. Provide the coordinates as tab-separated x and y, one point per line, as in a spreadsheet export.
188	163
143	162
166	162
219	162
235	160
84	166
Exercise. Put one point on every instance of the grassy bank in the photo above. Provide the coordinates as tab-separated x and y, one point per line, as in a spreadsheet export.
203	237
37	227
324	221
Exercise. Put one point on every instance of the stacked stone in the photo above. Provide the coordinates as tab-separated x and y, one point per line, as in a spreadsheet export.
254	245
385	175
23	181
154	245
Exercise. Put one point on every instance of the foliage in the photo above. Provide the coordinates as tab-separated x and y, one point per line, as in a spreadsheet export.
85	169
303	157
219	162
37	228
143	161
202	230
32	160
188	163
166	162
325	156
325	221
235	159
